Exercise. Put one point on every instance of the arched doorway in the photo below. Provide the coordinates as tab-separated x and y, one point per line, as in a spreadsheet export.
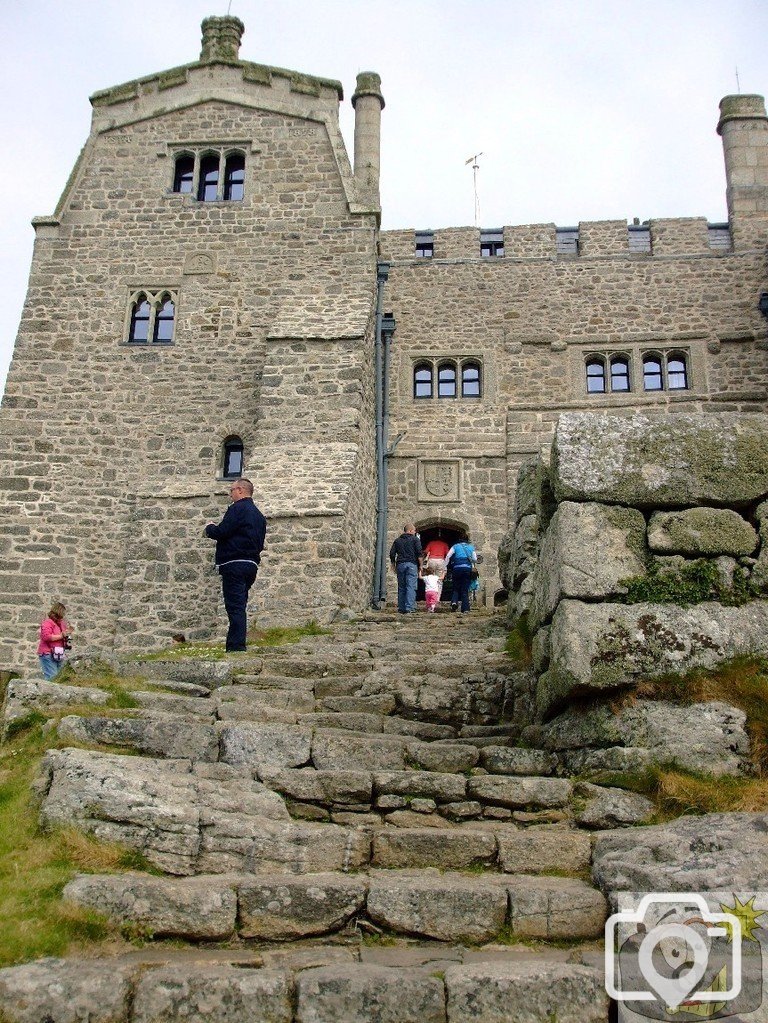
447	532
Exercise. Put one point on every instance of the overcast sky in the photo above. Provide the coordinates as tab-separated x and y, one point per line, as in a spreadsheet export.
583	109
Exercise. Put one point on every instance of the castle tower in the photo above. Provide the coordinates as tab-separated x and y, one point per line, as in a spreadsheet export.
368	103
743	127
201	303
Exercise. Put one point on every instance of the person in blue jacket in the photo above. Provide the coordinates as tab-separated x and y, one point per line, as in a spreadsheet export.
461	558
239	542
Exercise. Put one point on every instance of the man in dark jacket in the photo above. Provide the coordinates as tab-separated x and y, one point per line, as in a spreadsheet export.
405	555
239	542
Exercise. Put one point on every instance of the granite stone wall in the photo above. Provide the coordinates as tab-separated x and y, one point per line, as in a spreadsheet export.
640	550
112	452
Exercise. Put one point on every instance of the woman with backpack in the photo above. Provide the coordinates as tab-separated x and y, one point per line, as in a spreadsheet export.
462	559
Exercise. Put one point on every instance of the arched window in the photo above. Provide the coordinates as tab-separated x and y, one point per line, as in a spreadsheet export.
234	176
620	374
233	458
208	188
141	310
184	174
446	380
422	380
164	317
151	316
677	372
652	376
595	376
470	380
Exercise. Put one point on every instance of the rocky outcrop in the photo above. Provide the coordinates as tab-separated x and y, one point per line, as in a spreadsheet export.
644	461
647	564
601	647
692	854
708	738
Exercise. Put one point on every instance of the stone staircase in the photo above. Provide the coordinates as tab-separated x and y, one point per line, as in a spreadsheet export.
348	816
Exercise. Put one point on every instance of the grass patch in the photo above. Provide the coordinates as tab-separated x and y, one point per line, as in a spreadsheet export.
35	865
677	793
258	639
380	939
519	644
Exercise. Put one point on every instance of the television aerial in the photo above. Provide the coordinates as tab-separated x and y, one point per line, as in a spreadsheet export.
475	168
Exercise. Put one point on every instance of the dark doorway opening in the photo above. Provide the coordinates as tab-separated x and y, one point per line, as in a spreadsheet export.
448	535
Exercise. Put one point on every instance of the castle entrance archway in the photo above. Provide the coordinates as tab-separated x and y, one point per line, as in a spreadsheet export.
441	532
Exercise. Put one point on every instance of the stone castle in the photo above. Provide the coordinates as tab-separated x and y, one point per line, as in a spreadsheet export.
213	295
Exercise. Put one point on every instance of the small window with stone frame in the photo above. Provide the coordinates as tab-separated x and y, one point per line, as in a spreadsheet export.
595	369
446	380
425	245
232	464
653	376
677	371
620	378
471	381
492	243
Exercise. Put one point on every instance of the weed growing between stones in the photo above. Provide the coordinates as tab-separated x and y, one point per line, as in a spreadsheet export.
694	583
518	645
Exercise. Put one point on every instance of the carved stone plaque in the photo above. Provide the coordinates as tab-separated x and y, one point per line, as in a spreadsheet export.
199	263
440	480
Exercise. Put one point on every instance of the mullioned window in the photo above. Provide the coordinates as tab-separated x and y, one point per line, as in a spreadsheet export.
210	174
151	316
447	378
660	371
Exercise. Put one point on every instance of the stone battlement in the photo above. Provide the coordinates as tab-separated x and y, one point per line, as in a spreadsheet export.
591	239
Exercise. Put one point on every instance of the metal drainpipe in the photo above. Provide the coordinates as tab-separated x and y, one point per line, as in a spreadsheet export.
382	275
387	330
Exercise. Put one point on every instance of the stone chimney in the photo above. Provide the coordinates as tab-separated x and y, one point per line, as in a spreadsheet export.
743	127
221	39
368	103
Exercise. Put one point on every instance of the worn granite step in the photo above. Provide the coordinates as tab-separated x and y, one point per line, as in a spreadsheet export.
282	907
324	985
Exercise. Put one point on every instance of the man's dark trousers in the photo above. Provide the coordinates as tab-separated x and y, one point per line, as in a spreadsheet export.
236	580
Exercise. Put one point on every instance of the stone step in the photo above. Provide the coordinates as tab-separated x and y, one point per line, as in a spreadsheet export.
283	907
433	984
24	698
289	760
190	818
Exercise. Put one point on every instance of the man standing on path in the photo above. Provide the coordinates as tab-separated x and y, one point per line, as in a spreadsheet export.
239	542
405	555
